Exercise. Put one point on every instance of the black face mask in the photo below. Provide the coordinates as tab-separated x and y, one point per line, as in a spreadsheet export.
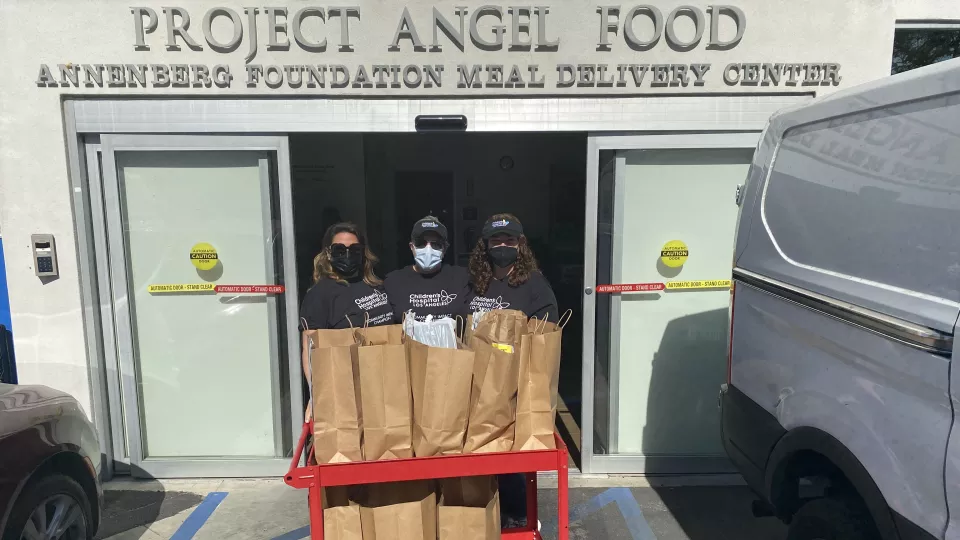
346	260
503	256
348	264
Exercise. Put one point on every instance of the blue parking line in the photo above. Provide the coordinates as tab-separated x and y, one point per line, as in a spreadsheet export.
626	503
298	534
630	508
199	516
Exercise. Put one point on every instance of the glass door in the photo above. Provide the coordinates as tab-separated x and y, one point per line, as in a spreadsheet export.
199	266
661	214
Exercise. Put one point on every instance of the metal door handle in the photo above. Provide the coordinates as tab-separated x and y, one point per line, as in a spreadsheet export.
588	291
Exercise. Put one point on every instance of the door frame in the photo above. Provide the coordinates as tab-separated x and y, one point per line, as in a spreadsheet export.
116	313
118	449
593	463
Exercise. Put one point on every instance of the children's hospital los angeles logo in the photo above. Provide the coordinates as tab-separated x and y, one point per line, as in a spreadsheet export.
482	303
372	301
440	299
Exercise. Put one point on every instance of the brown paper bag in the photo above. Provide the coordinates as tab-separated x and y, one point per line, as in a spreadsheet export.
504	326
399	511
379	335
539	384
341	515
440	379
337	422
319	339
385	394
493	399
469	509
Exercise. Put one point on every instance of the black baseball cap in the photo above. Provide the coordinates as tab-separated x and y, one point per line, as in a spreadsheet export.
497	226
428	224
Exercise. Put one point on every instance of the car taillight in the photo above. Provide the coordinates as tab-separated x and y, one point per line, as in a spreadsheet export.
733	293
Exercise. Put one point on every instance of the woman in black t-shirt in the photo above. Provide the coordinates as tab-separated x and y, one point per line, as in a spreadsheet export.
504	275
346	291
428	287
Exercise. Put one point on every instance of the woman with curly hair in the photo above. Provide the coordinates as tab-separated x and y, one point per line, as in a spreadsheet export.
504	273
346	291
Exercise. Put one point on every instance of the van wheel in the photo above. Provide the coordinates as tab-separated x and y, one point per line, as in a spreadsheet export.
832	519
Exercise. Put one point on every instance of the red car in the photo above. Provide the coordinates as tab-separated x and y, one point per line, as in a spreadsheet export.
49	466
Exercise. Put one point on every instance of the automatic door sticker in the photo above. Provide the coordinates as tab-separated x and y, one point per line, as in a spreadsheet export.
674	254
705	284
219	289
181	288
630	287
203	256
250	289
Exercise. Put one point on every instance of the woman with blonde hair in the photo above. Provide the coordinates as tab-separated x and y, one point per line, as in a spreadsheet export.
346	291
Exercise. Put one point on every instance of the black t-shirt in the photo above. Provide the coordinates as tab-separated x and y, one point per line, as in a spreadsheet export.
534	298
442	294
329	303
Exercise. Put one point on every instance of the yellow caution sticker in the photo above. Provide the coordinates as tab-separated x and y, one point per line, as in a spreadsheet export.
204	256
181	288
706	284
504	347
674	254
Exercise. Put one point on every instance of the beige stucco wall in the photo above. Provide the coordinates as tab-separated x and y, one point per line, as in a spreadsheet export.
928	10
34	186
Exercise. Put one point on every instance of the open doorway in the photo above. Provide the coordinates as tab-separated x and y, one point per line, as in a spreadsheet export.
384	182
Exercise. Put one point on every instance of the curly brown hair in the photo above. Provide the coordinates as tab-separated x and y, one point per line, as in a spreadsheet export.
322	269
481	271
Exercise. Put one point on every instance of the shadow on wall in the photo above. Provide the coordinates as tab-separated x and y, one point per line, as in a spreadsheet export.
144	503
683	419
685	379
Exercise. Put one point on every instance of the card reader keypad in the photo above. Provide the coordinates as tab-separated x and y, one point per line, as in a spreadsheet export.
45	264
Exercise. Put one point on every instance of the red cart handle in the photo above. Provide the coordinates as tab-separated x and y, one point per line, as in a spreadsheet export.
296	471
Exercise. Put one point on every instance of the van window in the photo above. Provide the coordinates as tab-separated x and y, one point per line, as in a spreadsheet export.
874	195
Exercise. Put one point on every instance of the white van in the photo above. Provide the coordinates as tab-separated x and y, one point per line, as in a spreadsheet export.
841	396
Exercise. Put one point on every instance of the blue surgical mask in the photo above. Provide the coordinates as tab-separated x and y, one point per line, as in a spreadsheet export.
427	258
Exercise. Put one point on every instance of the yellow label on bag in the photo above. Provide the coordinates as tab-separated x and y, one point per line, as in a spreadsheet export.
707	284
504	347
181	288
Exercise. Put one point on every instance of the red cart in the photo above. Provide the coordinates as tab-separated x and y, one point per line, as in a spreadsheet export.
317	477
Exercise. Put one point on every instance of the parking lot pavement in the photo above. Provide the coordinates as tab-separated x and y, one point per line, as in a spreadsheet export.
270	510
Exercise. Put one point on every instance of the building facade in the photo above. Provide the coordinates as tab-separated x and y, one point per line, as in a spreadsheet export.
165	149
